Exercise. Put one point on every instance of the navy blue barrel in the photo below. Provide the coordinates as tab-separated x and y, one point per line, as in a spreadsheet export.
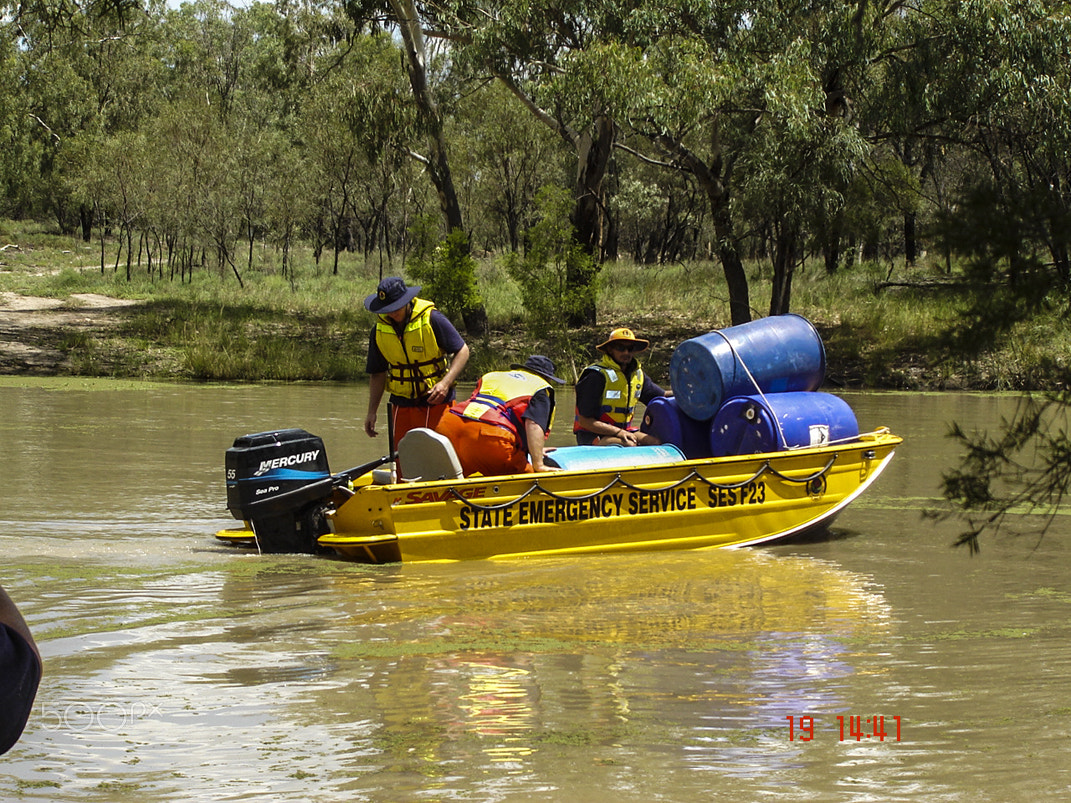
755	424
778	354
665	420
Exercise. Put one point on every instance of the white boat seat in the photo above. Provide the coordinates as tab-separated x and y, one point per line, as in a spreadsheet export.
425	455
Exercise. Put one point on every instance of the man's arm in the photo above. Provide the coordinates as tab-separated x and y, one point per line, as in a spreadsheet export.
377	383
652	390
535	436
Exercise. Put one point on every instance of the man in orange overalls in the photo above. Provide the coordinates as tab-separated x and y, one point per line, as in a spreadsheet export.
506	420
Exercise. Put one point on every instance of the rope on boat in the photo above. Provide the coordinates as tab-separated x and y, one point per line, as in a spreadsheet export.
739	359
619	480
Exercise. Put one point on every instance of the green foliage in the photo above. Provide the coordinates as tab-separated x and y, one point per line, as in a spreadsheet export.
551	256
765	131
447	272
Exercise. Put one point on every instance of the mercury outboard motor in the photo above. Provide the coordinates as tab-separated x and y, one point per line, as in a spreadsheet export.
281	484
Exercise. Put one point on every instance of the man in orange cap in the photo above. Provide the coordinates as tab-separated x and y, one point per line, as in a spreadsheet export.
607	393
506	419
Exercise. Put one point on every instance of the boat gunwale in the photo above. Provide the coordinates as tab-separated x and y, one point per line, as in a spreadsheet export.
882	437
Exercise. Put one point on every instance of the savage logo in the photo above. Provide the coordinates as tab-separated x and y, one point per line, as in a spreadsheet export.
416	497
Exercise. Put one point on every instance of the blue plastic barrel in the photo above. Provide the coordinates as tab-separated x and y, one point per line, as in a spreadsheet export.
595	458
780	353
664	419
749	424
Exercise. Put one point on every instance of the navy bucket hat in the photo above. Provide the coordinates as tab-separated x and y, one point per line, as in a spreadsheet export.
391	295
541	366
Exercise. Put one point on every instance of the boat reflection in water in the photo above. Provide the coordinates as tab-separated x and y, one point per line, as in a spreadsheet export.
519	659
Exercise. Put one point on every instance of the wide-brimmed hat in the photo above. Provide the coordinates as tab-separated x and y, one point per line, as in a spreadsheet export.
624	335
541	366
391	295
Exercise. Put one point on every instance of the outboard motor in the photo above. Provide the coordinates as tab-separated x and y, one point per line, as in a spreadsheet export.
281	484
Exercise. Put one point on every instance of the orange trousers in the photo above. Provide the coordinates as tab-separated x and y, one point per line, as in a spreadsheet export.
404	419
484	448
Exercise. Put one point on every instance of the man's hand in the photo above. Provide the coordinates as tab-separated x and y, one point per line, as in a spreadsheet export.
439	392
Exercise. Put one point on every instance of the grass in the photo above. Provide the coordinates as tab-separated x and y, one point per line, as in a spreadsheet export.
927	335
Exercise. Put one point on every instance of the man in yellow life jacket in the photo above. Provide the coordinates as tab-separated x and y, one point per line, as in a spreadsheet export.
506	419
607	393
415	354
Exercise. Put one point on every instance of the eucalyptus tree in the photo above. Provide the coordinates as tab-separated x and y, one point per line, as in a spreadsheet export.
348	120
176	188
410	20
1003	82
208	170
752	99
1005	79
507	157
17	143
85	72
336	156
110	178
661	216
210	51
199	173
416	25
288	203
537	50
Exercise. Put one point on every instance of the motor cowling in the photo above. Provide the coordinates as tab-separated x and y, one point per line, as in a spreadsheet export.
280	482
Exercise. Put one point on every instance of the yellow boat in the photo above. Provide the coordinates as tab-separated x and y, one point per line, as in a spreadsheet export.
279	485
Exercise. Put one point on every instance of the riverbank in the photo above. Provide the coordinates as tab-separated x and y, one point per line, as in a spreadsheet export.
906	329
88	334
37	334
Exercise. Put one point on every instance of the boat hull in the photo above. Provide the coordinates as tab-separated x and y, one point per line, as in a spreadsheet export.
709	503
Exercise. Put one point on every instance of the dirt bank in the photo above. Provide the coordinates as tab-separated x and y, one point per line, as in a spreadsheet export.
34	330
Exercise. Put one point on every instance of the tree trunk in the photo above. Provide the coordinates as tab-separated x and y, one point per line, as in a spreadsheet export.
710	178
85	213
784	265
438	163
731	264
911	245
589	217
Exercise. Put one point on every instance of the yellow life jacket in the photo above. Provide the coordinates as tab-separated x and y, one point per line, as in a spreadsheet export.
415	359
619	394
502	397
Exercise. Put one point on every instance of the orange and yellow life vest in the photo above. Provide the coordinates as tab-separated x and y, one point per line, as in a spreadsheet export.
502	397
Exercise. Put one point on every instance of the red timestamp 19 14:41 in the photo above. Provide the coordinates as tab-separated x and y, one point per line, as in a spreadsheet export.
851	728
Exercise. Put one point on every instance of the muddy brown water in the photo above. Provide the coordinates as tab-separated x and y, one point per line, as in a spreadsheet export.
180	669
